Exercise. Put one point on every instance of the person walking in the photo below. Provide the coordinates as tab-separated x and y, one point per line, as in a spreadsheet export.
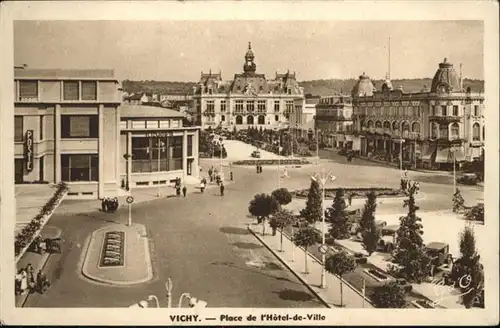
231	175
210	172
202	186
184	191
103	205
178	190
222	189
350	199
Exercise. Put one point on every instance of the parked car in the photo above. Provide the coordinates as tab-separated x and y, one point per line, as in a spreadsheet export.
256	154
438	252
468	179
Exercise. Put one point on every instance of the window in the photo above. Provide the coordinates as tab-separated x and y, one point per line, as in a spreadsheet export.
276	118
28	89
289	106
145	153
433	110
455	110
454	131
71	90
151	124
289	91
190	145
210	106
238	107
81	126
250	106
18	128
41	127
276	106
138	124
164	124
176	145
89	90
209	91
80	168
401	111
444	112
223	118
223	106
261	106
475	132
434	131
476	110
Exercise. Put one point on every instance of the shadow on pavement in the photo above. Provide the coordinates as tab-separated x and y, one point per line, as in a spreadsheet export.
247	245
232	265
294	295
89	215
271	266
234	231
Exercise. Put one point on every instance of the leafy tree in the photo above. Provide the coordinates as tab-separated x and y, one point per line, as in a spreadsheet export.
338	217
306	237
476	213
313	210
369	230
283	196
281	219
458	202
410	254
389	295
339	264
262	206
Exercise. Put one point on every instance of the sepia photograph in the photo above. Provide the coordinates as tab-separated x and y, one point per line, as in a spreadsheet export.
239	170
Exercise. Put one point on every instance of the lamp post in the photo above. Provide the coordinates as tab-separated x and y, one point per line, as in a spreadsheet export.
323	178
168	287
153	297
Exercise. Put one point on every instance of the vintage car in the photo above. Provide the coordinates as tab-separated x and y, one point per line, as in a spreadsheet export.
438	252
256	154
468	179
388	238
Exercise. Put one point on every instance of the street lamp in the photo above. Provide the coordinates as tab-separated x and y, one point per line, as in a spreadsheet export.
153	297
323	178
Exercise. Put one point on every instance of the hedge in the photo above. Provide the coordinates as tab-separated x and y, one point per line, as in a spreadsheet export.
294	161
356	192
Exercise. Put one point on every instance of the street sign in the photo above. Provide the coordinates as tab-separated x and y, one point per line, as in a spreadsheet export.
323	249
130	199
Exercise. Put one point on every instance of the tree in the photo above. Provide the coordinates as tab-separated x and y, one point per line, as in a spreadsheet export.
389	295
281	219
262	206
313	210
338	217
283	196
458	202
414	263
369	230
306	237
339	264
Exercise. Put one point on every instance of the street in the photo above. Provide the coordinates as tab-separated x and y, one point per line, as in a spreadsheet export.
202	244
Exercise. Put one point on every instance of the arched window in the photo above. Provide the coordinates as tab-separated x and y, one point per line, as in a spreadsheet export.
405	126
378	124
434	131
369	124
454	130
239	120
475	132
387	125
395	125
415	127
443	131
262	119
249	119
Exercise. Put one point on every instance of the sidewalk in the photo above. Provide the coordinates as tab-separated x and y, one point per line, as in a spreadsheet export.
36	260
30	199
330	296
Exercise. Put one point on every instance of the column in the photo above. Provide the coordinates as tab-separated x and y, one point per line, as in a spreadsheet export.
118	148
100	189
196	150
57	143
129	159
184	155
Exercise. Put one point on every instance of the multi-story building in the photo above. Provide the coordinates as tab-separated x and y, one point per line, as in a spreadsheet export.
333	121
302	119
431	126
66	129
70	126
247	100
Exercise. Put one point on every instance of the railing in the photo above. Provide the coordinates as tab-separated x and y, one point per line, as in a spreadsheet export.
444	119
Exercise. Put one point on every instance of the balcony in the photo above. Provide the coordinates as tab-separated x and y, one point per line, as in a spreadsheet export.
209	113
444	119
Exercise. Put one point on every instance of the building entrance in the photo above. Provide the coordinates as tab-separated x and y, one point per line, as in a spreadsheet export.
18	170
190	166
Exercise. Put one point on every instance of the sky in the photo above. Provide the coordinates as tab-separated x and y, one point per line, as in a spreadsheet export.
180	50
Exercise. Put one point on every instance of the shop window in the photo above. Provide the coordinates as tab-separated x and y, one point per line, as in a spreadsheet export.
79	126
28	90
18	128
190	145
89	90
71	90
79	167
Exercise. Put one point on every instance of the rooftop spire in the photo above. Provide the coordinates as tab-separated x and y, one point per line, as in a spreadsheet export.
389	60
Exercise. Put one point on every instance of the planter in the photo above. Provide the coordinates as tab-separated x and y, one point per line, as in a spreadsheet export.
377	275
355	192
272	162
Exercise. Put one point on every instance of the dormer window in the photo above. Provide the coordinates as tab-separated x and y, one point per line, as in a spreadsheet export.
289	91
209	91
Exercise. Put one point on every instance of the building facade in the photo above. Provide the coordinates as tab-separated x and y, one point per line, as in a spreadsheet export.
247	100
333	120
155	147
66	129
302	119
431	126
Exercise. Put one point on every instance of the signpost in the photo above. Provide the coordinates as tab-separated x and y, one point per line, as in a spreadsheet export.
28	150
130	200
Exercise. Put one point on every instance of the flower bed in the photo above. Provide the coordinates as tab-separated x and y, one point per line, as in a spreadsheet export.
294	161
355	192
376	274
32	230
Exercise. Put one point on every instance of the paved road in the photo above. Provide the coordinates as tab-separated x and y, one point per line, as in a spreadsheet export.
202	244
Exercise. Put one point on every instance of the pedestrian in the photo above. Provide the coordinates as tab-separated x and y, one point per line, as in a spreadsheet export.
222	189
184	191
39	282
210	171
202	186
178	190
257	168
31	277
417	187
350	199
231	175
217	179
24	281
103	205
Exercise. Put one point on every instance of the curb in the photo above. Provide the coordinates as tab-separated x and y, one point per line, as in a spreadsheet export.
45	259
325	303
149	267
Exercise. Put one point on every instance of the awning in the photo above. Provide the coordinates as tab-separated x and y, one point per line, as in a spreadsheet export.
442	155
475	152
459	155
427	156
348	137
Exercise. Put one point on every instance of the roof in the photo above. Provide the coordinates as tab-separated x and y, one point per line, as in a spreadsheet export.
447	77
61	74
148	111
363	87
437	245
